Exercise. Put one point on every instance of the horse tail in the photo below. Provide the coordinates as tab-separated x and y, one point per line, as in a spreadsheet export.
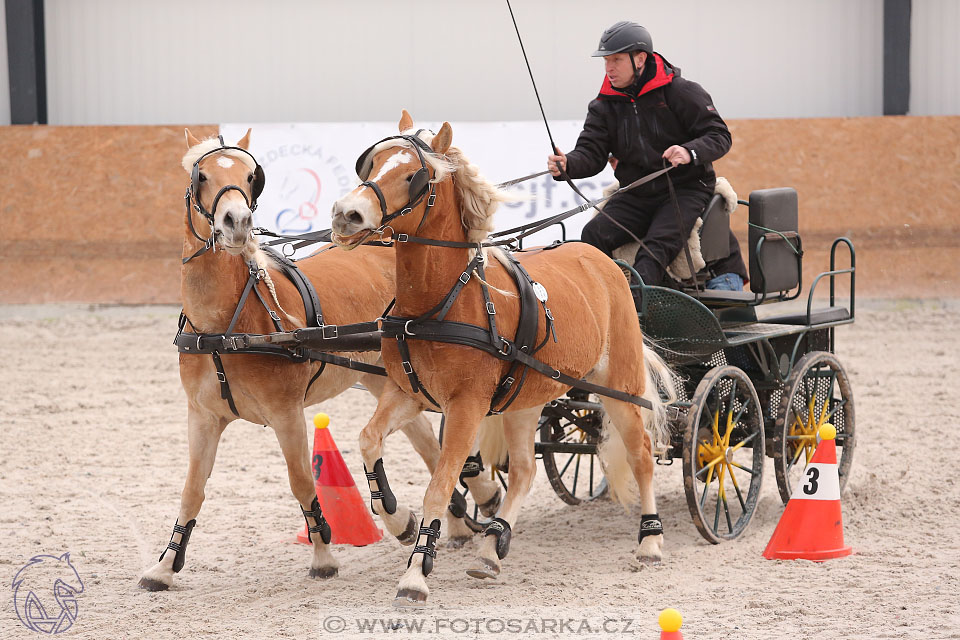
660	391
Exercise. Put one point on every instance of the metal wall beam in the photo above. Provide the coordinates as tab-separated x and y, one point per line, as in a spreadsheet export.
26	61
896	57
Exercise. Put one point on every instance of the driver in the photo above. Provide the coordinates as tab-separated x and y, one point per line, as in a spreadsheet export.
645	114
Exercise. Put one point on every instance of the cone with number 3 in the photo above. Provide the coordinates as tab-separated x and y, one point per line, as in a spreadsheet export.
811	527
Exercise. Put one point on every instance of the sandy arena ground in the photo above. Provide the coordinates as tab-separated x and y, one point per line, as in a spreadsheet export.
93	450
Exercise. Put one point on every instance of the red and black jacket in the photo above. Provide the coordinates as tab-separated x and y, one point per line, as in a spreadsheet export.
637	129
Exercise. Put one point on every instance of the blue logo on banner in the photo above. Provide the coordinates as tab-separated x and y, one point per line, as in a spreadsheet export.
45	594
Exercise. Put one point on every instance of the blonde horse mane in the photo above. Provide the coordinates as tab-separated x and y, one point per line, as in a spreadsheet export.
251	250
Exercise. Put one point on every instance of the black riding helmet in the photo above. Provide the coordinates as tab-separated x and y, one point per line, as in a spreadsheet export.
622	37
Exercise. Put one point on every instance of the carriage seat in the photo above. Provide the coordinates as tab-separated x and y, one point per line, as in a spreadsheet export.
773	248
709	239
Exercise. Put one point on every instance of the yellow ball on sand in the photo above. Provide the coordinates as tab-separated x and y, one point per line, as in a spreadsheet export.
321	420
670	620
828	431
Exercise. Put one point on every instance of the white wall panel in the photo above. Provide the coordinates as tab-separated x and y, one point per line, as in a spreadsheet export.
4	71
176	61
935	58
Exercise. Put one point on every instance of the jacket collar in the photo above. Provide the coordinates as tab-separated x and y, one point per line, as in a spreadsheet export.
664	75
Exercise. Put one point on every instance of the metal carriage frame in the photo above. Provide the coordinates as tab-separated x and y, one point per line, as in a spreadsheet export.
765	384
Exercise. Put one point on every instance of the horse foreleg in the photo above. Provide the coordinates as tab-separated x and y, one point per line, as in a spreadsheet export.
462	422
292	435
203	436
519	431
628	421
394	409
420	433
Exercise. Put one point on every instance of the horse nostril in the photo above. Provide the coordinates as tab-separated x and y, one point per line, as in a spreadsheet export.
228	220
355	217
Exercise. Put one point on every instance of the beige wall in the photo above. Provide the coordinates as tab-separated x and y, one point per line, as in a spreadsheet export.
95	214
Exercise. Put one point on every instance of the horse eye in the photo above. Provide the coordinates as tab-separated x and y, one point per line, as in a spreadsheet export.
250	178
410	178
203	178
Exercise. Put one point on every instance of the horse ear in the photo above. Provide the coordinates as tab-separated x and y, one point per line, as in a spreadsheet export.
244	142
441	141
406	121
191	139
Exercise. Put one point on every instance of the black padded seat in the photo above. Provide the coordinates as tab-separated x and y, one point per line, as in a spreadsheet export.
720	295
817	316
715	232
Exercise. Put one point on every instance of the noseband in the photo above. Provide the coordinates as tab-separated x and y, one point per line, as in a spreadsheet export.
420	185
193	194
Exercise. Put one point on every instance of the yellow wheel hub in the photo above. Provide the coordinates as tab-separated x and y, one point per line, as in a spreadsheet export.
803	434
717	454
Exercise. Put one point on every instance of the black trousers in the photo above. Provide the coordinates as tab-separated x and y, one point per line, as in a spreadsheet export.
653	219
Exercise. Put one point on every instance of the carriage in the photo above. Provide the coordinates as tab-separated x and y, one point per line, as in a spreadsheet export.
748	386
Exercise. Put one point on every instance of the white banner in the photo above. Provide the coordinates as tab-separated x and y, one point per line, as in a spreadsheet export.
310	165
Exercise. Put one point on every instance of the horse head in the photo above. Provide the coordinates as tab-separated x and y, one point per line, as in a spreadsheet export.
400	175
225	182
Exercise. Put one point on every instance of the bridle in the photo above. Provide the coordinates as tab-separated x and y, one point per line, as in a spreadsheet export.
420	185
192	195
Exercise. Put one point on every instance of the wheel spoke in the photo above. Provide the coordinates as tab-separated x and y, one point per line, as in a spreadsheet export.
576	474
703	496
740	466
591	477
726	512
740	444
736	486
716	515
569	460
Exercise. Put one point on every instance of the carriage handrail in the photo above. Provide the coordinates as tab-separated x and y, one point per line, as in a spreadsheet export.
853	269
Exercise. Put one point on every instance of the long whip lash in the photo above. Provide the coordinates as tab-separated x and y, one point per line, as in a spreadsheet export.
553	146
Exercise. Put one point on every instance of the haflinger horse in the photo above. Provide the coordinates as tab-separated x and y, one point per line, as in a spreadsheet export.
441	210
266	389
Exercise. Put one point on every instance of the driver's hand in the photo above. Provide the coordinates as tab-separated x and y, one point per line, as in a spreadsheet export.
555	162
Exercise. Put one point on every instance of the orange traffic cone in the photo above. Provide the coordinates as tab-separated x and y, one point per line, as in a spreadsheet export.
811	526
670	621
343	508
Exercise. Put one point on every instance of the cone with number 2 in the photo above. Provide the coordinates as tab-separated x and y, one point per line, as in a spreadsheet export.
811	527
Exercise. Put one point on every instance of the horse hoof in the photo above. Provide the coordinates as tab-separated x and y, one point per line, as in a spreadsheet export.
409	535
484	569
153	585
489	508
323	572
410	599
649	561
458	542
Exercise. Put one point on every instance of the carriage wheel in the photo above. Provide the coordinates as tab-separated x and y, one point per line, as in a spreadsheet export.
723	453
473	518
575	477
817	391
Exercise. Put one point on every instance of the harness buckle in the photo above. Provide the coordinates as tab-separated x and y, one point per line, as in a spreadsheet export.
555	375
464	277
221	376
273	314
508	382
199	336
402	237
506	349
329	335
405	211
491	310
233	343
431	198
406	328
407	367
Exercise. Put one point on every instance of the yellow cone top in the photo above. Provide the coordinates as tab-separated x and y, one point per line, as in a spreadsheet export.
670	620
828	431
321	420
